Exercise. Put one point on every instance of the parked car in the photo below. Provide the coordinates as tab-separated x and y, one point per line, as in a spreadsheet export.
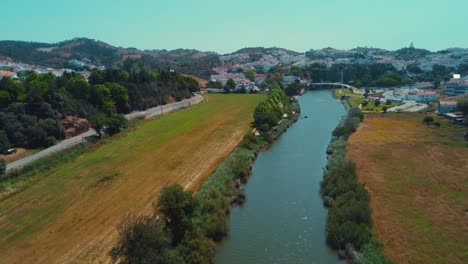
10	151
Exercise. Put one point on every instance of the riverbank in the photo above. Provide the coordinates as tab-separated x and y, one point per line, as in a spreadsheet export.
349	223
223	189
283	219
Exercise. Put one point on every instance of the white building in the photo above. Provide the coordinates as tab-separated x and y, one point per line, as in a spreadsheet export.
456	87
421	96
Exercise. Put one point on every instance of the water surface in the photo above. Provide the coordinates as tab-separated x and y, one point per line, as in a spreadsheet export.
283	219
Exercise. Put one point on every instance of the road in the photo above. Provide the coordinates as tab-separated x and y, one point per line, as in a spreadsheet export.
148	113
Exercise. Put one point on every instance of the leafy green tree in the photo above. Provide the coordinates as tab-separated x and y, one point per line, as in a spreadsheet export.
462	105
196	249
178	207
119	95
143	240
230	85
100	96
96	77
377	102
4	141
98	121
115	123
214	84
78	87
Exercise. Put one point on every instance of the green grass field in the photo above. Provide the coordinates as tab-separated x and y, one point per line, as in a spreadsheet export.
354	99
72	212
417	178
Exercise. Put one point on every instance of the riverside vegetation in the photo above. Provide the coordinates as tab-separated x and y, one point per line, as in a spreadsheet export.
349	222
185	227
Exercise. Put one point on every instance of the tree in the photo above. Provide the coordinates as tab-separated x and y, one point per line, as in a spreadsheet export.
115	123
385	108
119	95
230	85
462	105
388	102
428	120
98	121
143	240
377	102
2	166
214	84
96	77
78	87
195	248
178	207
4	142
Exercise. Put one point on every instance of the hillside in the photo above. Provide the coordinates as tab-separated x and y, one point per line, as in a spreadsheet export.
99	53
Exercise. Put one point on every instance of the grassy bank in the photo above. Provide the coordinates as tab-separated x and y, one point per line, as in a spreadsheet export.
349	223
71	210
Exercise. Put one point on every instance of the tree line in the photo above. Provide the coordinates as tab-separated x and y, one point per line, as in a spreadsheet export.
349	221
34	106
269	112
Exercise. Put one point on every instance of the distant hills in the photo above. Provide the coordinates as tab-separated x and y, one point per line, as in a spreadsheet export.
100	53
200	63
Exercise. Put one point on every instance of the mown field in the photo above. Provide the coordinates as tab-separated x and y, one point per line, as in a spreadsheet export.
417	177
71	214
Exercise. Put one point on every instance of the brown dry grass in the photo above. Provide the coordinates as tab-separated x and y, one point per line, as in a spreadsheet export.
417	177
70	216
20	153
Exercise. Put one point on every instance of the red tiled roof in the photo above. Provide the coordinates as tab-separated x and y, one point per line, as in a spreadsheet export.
448	102
6	74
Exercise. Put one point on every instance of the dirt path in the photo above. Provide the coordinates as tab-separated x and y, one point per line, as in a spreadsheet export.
71	215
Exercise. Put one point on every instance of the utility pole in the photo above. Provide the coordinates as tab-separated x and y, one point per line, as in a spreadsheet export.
341	76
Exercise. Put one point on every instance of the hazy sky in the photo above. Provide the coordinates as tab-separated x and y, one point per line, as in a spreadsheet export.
225	26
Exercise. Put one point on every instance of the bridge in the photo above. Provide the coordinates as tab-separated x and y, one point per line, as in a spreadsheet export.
333	84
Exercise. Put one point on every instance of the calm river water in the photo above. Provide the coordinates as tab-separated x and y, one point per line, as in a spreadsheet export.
283	219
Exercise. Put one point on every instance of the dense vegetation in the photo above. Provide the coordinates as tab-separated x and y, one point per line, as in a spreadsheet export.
349	220
269	113
33	108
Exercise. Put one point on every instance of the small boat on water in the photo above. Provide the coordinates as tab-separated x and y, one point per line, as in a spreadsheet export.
305	116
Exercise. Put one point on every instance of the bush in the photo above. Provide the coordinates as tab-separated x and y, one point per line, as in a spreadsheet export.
178	207
428	120
143	240
2	166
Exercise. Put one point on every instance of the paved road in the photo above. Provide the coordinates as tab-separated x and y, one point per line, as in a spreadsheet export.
148	113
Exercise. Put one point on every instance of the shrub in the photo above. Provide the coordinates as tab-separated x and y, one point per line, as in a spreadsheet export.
2	166
428	120
143	240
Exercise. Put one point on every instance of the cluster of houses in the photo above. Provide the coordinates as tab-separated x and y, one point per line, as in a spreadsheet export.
456	86
10	68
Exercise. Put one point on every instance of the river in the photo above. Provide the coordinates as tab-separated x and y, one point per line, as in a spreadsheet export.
283	219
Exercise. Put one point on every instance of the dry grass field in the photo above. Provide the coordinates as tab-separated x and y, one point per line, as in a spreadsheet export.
71	214
417	177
